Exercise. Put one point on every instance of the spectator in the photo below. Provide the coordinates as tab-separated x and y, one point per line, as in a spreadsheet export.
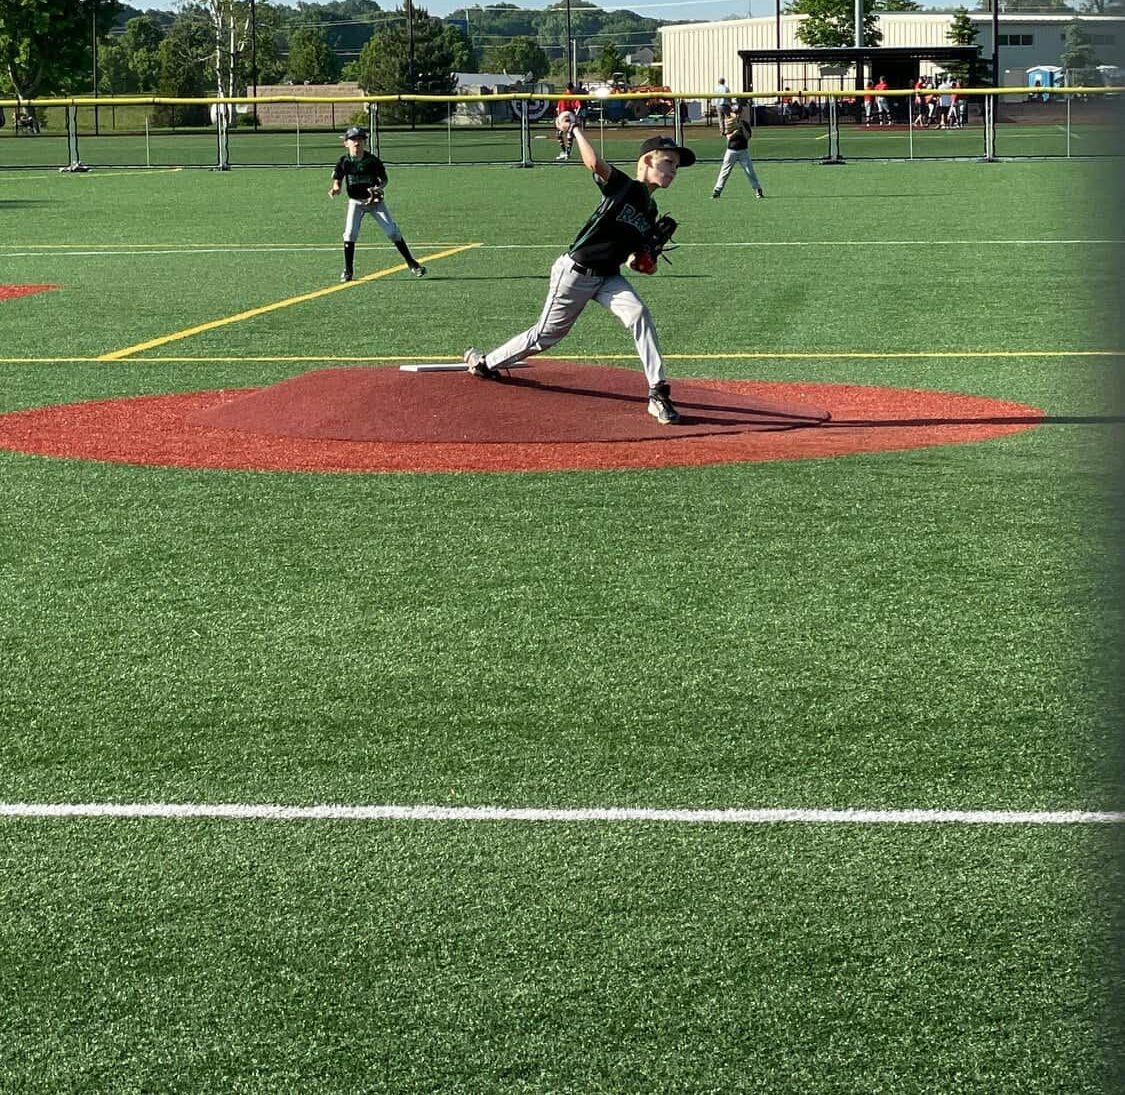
566	117
868	104
945	101
721	102
953	115
918	110
882	103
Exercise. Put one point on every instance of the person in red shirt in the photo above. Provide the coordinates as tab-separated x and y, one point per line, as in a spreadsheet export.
919	113
882	103
566	114
868	103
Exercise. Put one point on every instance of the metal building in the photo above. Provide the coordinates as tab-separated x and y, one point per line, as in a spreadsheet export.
697	54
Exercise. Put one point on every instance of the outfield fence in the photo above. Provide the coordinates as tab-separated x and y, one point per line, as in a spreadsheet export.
823	126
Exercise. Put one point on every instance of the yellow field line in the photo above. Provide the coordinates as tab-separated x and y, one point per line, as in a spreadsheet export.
268	359
118	355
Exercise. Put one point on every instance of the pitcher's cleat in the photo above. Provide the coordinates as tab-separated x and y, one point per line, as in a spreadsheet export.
346	276
478	366
418	271
660	404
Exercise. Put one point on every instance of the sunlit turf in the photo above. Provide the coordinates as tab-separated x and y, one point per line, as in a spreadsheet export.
926	629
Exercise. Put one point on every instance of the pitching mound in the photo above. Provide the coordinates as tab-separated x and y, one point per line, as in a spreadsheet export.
553	403
557	416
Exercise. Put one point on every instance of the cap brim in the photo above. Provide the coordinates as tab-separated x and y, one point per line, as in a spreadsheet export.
687	157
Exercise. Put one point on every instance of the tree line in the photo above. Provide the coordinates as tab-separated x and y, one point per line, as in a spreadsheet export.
229	47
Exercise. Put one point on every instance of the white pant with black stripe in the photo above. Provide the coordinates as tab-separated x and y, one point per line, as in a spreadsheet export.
741	157
569	293
358	210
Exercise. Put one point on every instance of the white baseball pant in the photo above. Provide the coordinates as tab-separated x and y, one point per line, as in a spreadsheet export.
570	291
358	210
732	157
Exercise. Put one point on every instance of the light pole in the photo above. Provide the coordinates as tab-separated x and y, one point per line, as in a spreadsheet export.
94	51
995	43
777	26
254	56
569	48
410	55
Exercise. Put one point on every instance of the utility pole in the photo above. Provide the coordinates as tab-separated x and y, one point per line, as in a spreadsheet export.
410	56
570	66
94	52
254	56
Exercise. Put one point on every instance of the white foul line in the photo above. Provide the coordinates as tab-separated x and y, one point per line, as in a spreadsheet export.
272	812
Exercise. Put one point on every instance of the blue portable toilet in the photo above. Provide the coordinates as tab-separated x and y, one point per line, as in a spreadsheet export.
1047	75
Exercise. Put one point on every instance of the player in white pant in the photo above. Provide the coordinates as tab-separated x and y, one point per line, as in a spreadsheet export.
363	175
572	288
736	129
617	232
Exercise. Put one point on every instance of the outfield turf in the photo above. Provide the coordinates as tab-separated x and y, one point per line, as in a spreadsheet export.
929	629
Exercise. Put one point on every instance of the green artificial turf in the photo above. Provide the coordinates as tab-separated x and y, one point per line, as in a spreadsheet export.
923	629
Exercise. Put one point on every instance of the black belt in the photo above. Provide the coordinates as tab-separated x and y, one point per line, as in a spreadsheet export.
590	272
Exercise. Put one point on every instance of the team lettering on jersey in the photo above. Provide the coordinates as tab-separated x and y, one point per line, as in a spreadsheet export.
634	218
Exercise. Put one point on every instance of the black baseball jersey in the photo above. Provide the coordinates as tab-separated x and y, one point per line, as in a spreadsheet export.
618	227
361	174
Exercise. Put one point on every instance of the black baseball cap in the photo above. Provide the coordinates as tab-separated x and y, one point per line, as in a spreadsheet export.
355	133
667	144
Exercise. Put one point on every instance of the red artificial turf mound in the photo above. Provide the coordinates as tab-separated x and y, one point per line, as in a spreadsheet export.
553	403
10	292
725	421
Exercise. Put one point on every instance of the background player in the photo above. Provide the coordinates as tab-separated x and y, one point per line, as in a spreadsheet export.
568	112
365	177
591	268
736	129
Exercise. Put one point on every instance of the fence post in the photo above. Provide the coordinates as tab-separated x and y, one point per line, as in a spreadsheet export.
525	135
989	129
833	156
221	135
72	136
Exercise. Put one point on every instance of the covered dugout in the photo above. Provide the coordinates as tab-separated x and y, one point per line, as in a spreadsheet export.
900	65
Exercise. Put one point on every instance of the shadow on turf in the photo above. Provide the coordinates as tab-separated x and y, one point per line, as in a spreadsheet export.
996	420
537	277
694	413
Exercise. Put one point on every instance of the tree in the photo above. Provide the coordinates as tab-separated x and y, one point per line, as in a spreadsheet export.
962	32
115	77
830	23
462	56
609	61
141	42
184	56
347	24
46	46
520	56
585	21
311	60
386	66
1079	57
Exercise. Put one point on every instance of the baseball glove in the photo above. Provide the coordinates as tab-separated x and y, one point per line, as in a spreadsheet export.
659	240
374	195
